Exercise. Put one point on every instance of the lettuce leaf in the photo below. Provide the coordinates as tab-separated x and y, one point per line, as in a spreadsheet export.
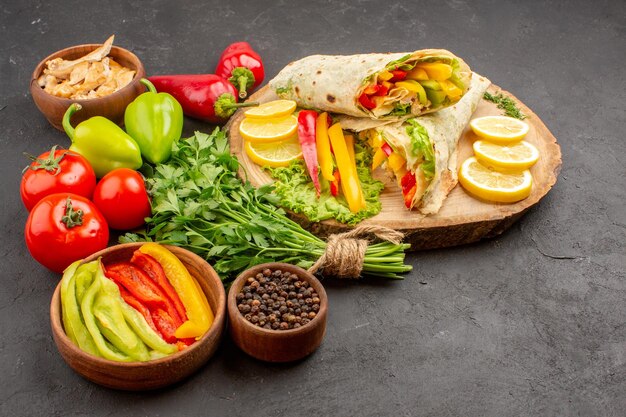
297	193
421	146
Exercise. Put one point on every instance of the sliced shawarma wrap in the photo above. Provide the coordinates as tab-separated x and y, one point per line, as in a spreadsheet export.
422	151
376	86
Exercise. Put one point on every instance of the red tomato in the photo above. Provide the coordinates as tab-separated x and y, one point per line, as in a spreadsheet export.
63	228
122	198
57	171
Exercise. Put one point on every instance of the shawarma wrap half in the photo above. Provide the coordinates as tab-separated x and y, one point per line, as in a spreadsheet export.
377	86
422	151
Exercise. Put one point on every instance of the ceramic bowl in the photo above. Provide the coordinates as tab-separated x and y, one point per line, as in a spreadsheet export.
139	376
112	106
277	345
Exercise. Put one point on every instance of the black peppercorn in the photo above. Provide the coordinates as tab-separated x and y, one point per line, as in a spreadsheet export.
277	300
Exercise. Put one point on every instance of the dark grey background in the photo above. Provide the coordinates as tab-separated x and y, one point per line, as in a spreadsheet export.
530	323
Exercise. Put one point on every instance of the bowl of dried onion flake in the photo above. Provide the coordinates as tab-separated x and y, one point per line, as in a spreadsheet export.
103	78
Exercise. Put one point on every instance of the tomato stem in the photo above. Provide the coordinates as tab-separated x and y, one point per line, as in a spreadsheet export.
72	218
49	164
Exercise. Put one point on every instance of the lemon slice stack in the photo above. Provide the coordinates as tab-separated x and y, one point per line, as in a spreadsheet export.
499	171
270	133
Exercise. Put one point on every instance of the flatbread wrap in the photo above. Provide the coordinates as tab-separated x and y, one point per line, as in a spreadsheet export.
421	152
377	86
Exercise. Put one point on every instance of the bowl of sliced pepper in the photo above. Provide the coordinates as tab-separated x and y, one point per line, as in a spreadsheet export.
138	316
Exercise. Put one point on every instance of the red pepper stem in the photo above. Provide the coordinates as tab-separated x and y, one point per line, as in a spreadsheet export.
238	105
242	82
148	85
72	218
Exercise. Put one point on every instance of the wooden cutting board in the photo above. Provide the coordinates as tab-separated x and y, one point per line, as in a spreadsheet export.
462	218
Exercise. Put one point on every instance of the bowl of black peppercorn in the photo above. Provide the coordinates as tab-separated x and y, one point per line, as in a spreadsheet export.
277	312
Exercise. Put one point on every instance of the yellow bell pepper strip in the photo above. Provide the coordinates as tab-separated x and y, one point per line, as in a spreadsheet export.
105	350
436	70
200	316
385	76
139	325
322	143
396	161
349	180
350	145
451	90
417	74
379	158
415	87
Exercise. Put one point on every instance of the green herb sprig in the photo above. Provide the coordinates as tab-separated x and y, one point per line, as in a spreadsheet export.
505	103
200	203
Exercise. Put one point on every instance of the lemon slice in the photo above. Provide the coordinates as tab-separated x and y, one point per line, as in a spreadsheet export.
499	129
274	154
268	130
516	156
492	185
272	110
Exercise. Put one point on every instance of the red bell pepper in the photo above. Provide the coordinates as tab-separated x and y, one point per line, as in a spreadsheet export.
398	75
382	90
306	136
242	66
409	187
334	185
366	101
136	304
386	149
203	96
155	271
166	324
137	282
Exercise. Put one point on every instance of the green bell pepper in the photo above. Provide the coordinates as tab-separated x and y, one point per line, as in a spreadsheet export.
103	143
72	322
151	338
155	121
87	308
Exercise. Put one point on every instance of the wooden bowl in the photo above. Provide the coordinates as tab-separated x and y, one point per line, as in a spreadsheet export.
140	376
112	106
277	345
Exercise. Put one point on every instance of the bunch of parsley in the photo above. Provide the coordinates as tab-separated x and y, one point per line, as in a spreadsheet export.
199	203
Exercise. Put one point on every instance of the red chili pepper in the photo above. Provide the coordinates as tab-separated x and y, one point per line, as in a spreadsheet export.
136	304
242	66
398	75
203	96
366	102
386	149
155	271
306	136
334	185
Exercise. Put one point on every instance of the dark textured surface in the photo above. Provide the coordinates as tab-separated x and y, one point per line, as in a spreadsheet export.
529	323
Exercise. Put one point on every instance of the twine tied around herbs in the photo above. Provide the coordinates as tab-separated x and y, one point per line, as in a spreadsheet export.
345	252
